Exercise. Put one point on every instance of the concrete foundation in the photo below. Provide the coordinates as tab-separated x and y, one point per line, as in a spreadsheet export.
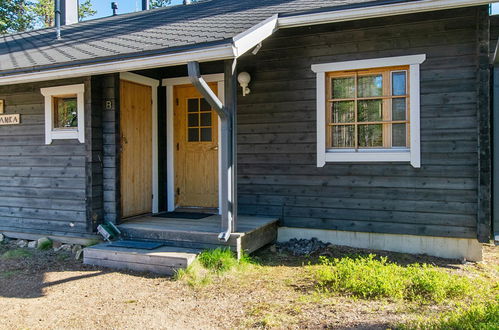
444	247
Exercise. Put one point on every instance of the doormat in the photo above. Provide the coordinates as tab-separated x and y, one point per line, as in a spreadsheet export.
183	215
136	245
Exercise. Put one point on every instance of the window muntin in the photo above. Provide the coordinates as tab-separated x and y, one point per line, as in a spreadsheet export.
368	109
199	120
65	112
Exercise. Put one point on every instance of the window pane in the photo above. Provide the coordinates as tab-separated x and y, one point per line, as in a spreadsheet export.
66	114
193	120
370	136
370	110
206	119
206	134
192	105
370	85
398	109
193	135
343	88
343	112
343	136
399	135
205	106
398	83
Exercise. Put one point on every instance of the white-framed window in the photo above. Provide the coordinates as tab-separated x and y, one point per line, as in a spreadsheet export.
64	115
368	110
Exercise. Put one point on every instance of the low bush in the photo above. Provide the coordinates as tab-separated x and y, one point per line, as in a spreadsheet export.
16	254
478	316
370	277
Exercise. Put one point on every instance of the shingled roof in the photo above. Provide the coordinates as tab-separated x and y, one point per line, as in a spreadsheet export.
145	33
201	26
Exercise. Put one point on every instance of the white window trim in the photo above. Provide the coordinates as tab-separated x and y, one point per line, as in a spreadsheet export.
64	134
412	154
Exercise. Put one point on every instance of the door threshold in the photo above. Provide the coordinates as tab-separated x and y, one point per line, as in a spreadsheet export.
197	209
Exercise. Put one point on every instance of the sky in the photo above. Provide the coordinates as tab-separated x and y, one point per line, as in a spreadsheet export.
103	7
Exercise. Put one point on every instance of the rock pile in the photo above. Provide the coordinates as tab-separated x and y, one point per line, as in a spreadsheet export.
45	243
301	247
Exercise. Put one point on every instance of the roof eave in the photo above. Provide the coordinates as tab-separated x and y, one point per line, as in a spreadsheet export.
213	53
391	9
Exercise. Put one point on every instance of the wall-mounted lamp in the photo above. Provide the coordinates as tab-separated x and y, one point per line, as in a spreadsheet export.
244	79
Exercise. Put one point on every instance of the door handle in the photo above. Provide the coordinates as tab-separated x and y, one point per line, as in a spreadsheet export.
214	148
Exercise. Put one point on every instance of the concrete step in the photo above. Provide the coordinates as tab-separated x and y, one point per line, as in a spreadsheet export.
164	260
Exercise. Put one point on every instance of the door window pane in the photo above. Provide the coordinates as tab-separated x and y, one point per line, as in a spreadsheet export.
343	112
206	119
343	136
370	136
343	88
193	105
193	119
206	134
193	135
370	110
65	112
370	86
204	105
398	109
399	135
398	83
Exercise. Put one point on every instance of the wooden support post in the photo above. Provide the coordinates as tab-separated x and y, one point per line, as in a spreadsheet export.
484	119
230	81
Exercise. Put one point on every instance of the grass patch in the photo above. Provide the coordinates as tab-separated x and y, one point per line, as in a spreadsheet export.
9	273
478	316
210	264
370	277
16	254
45	244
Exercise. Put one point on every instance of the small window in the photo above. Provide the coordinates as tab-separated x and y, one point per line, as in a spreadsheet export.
64	113
199	120
368	110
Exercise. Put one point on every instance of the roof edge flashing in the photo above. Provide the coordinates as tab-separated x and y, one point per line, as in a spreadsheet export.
391	9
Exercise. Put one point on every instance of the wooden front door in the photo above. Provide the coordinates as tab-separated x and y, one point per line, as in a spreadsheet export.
136	148
196	149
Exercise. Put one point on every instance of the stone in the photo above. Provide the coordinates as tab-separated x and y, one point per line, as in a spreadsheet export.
32	244
44	243
56	245
301	247
273	248
79	254
65	247
76	248
22	243
2	238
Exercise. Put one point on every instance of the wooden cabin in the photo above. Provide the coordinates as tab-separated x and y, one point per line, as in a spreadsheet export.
362	123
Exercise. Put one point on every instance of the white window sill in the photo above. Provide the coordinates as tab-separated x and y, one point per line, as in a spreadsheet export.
65	134
373	155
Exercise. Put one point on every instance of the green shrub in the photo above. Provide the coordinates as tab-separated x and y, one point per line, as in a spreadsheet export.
478	316
16	254
218	260
44	244
370	278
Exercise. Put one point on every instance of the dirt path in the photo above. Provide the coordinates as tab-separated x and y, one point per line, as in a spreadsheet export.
51	290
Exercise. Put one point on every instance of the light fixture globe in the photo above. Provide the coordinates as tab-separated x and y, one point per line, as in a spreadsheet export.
244	79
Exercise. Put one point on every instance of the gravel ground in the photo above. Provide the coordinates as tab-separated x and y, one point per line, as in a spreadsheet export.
50	290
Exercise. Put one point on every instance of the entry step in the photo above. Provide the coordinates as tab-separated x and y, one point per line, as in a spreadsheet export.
164	260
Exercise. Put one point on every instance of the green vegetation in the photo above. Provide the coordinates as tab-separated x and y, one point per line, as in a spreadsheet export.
369	277
44	244
210	264
478	316
16	254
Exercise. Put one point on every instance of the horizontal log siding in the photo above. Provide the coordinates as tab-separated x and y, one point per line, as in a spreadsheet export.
277	131
42	187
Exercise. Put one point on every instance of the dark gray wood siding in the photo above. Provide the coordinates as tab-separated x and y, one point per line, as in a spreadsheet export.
277	130
42	187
